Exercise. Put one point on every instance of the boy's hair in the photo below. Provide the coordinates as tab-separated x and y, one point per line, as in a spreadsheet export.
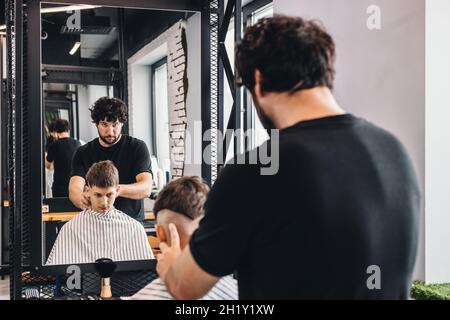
111	109
61	125
185	196
291	53
102	174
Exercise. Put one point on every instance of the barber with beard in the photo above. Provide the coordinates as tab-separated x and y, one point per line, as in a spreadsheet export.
129	155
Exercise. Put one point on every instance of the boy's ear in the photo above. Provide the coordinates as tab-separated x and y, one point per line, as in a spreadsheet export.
118	189
160	233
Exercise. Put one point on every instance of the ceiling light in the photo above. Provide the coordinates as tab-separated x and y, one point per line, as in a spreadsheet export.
75	48
3	27
68	8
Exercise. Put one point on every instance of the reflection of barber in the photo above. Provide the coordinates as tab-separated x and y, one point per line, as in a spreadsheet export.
130	156
51	135
59	157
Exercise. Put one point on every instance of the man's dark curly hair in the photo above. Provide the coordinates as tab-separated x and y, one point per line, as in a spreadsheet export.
185	195
291	53
51	127
111	109
61	125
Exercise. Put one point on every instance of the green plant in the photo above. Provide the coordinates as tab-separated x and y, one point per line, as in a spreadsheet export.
422	291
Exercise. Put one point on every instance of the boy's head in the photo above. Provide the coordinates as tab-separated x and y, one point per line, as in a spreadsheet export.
102	180
180	202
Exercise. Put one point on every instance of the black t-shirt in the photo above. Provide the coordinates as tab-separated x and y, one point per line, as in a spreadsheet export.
129	155
345	198
61	153
48	142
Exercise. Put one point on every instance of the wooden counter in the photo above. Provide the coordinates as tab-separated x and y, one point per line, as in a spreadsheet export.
65	216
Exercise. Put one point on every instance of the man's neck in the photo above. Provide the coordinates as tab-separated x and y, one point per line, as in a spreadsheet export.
63	135
287	110
107	145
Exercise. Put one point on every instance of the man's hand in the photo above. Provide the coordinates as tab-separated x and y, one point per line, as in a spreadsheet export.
84	201
78	193
168	253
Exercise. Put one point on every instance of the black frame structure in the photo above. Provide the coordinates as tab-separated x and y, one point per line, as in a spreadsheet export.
4	215
24	100
14	24
233	8
249	113
241	115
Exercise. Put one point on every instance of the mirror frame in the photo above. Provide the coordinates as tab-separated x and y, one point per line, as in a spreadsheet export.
35	115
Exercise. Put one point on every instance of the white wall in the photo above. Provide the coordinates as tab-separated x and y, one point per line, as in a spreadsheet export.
380	74
141	104
87	95
437	142
193	99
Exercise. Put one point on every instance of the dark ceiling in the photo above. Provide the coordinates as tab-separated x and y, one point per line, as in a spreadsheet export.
2	12
140	27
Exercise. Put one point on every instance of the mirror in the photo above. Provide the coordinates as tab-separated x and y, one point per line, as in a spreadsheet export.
150	59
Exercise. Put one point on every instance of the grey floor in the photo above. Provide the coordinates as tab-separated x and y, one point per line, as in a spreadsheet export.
4	289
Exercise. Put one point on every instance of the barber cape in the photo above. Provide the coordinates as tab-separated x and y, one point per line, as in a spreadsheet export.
225	289
92	235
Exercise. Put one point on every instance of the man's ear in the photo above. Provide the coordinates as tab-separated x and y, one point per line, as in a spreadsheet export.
258	91
160	233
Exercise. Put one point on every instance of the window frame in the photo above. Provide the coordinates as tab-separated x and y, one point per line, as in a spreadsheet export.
153	67
250	115
251	8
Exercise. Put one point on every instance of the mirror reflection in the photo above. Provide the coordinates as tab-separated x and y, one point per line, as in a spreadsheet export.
114	109
62	115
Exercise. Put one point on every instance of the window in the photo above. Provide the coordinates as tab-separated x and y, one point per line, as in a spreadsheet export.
262	12
160	115
251	13
255	11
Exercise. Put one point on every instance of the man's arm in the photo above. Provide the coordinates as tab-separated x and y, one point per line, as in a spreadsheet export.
77	194
182	276
48	164
141	189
